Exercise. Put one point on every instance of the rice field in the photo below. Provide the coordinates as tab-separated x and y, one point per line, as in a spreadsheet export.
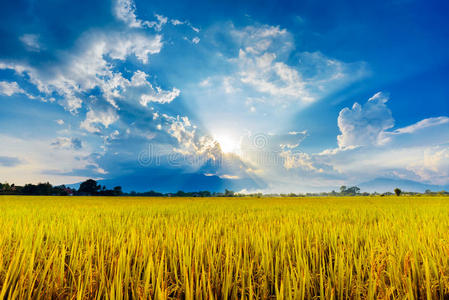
224	248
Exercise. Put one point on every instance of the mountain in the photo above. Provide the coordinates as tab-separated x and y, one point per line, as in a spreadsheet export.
382	185
171	181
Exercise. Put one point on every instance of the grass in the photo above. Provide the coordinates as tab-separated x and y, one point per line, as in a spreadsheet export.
221	248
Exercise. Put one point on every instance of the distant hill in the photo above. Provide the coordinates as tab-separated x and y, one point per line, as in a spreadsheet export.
166	181
382	185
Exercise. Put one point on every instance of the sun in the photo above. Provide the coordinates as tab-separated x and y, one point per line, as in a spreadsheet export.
228	144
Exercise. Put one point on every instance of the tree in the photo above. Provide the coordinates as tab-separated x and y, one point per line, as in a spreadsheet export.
44	189
181	194
118	191
229	193
352	191
89	187
204	194
397	191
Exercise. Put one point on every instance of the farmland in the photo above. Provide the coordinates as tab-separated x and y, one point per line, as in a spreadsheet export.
220	248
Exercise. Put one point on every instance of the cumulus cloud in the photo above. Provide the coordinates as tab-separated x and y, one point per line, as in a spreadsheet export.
263	73
88	67
262	49
366	124
433	166
10	88
302	161
369	147
189	141
125	11
158	24
263	68
148	92
96	118
262	62
371	124
160	96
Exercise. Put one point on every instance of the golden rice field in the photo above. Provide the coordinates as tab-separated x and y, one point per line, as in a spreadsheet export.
224	248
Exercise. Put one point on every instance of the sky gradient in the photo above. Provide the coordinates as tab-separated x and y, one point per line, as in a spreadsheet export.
286	96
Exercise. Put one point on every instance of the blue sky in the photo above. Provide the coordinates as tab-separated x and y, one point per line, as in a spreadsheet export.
250	95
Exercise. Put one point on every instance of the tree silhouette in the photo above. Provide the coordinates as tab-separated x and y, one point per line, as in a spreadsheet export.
89	187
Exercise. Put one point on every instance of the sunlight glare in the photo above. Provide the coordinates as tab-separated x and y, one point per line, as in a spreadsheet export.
227	143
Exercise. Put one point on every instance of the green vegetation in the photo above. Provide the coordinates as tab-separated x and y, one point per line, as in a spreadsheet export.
220	248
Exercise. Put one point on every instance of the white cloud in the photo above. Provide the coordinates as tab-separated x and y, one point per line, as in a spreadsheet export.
371	125
205	82
121	46
433	166
365	125
299	160
96	118
264	68
88	67
419	162
10	88
67	143
158	24
160	96
71	103
426	123
149	93
38	161
60	122
260	39
273	143
369	148
31	42
228	85
266	75
125	10
176	22
261	66
228	176
189	141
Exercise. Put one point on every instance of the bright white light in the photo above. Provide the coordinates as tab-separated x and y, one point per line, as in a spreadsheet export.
227	143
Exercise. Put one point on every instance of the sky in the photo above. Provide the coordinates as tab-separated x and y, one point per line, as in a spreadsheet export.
266	96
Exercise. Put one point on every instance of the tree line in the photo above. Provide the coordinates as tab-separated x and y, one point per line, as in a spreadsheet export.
87	188
91	187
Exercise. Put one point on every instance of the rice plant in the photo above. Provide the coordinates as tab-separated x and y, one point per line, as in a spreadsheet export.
224	248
